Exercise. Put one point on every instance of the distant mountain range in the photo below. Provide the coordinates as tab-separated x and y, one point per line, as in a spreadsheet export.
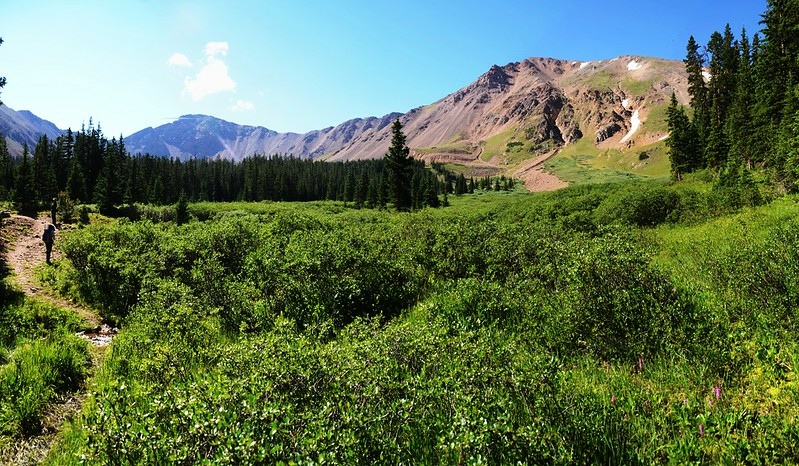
204	136
23	127
510	119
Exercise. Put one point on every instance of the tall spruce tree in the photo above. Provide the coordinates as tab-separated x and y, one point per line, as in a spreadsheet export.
25	186
6	171
682	141
739	124
398	165
697	88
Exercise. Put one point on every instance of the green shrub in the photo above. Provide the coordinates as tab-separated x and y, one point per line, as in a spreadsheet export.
641	206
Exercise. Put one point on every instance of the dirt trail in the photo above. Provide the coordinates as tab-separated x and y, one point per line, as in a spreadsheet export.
26	252
536	179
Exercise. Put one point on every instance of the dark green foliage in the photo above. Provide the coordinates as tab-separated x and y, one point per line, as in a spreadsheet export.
643	206
182	209
683	142
745	109
6	171
494	332
25	187
398	165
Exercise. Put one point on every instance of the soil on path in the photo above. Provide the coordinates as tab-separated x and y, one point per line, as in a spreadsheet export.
28	251
24	252
536	179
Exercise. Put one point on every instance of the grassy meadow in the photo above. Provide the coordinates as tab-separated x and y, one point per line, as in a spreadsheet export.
623	323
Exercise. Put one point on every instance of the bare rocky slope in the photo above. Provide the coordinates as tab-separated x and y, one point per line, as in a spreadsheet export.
543	101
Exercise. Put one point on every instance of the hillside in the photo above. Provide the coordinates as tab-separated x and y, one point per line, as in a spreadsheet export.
515	117
512	119
23	127
579	120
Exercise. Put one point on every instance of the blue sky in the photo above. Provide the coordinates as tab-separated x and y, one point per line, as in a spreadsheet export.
303	65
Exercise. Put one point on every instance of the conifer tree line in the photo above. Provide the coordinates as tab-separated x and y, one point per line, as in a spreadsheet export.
744	104
89	168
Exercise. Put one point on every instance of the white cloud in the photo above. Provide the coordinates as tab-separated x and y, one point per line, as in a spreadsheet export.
213	78
178	59
213	49
243	106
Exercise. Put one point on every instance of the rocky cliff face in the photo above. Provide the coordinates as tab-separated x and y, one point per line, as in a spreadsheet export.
544	101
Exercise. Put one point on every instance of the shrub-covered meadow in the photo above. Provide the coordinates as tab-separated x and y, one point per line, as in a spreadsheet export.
623	324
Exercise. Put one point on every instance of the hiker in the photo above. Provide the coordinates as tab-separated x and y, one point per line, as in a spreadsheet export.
48	237
52	210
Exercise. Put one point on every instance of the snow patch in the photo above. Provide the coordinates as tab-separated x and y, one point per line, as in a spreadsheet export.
664	138
635	123
706	75
633	65
584	64
625	103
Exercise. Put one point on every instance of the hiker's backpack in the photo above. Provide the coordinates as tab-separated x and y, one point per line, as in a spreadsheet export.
47	236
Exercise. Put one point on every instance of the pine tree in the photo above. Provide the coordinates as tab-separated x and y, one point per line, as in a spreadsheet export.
44	171
25	188
739	129
431	192
694	67
777	57
398	165
361	187
6	171
786	150
76	182
682	141
716	145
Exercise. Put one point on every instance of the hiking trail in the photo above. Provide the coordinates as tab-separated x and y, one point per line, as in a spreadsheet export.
24	252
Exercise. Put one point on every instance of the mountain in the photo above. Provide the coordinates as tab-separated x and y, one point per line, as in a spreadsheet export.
512	119
23	127
515	117
200	136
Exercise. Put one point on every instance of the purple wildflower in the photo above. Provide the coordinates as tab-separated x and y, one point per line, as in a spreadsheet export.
701	431
613	400
717	392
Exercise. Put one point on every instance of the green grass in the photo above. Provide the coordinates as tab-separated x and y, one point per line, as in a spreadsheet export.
497	145
506	328
638	87
582	162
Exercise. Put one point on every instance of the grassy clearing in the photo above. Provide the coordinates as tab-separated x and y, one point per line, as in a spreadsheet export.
582	162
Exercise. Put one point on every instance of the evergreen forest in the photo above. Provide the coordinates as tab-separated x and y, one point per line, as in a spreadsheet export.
383	321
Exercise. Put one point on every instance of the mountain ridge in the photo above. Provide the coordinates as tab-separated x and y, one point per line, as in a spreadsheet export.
508	120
